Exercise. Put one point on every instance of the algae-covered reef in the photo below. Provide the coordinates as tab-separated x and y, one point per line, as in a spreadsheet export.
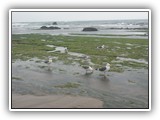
117	51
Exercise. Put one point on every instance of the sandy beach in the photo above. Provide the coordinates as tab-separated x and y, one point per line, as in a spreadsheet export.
54	101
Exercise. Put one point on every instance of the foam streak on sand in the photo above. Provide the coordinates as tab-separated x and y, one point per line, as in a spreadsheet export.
54	101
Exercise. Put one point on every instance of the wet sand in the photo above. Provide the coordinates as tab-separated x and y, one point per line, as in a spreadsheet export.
54	101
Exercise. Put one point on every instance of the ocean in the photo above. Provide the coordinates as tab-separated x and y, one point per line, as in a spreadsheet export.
106	28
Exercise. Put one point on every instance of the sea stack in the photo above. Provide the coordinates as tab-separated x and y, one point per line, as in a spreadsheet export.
90	29
54	23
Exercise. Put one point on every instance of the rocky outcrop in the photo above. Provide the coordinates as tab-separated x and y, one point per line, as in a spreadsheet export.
49	28
54	23
90	29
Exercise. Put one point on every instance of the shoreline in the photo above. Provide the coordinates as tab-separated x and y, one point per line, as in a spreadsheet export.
54	101
89	35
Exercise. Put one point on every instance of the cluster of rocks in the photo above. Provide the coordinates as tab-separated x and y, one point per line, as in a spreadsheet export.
127	28
55	27
49	28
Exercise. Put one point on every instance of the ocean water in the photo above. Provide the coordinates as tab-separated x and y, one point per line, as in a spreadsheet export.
106	28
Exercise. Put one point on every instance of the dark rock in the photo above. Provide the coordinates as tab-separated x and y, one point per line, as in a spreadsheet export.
43	27
54	23
49	28
53	27
90	29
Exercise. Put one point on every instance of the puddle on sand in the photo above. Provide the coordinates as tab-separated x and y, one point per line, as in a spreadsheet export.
129	44
83	57
57	48
113	88
43	40
62	49
52	46
133	60
80	55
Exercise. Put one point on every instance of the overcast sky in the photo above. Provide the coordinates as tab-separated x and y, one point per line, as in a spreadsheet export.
75	16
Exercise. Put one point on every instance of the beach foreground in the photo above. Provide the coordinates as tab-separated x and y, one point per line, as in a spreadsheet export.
35	84
54	101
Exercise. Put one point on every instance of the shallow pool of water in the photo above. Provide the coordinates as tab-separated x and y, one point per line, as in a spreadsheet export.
118	90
